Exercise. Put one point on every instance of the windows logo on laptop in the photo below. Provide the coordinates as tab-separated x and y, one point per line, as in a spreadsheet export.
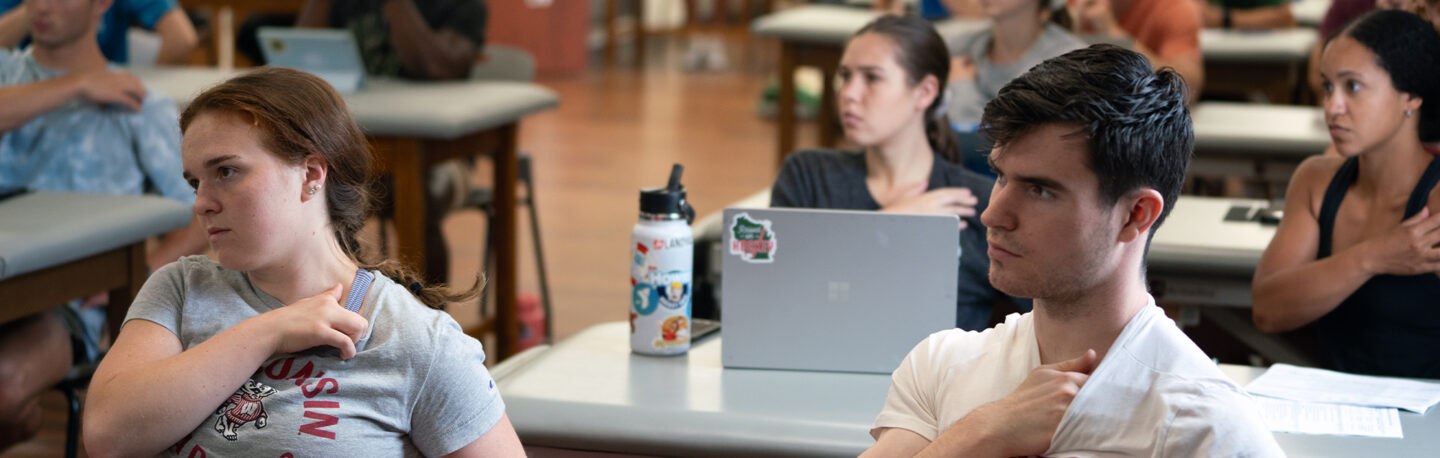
330	54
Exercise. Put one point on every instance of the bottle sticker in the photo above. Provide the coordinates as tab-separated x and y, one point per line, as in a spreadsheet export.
673	331
752	239
672	289
640	300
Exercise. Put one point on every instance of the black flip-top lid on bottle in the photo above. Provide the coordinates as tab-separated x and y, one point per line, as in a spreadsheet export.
662	200
669	199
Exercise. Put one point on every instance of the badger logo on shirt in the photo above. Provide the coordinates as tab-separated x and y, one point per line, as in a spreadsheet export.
243	407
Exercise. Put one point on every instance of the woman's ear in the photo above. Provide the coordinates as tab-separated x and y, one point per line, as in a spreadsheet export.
315	169
1412	104
928	88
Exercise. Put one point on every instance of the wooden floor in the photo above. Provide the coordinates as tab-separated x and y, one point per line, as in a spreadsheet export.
616	130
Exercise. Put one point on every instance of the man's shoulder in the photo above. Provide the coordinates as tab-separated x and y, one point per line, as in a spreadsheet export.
1198	388
158	101
1213	417
1172	416
158	107
1153	341
17	67
1187	383
959	347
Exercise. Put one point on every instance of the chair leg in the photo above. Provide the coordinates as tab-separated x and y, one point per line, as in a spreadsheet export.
487	261
539	254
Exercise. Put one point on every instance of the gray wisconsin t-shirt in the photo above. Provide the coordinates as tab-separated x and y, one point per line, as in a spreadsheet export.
416	386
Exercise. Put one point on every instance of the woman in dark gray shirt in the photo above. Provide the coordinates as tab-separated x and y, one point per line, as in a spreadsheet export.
891	100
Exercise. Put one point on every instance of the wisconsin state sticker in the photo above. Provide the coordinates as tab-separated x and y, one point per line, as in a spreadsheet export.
752	239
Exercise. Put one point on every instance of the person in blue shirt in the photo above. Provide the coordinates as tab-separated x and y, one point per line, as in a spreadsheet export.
70	121
164	17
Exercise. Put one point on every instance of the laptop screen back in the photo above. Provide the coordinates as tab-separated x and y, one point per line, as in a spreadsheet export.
828	290
330	54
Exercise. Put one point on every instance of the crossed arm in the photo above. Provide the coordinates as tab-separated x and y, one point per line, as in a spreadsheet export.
23	102
1293	288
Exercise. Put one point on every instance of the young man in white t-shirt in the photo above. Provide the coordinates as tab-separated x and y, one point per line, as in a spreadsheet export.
1091	150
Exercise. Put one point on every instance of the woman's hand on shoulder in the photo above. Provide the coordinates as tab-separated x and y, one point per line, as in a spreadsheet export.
314	321
1408	249
942	201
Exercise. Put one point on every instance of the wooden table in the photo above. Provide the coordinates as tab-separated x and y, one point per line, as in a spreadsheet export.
413	126
55	247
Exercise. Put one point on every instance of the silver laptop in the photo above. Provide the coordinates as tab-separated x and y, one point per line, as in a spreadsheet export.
330	54
830	290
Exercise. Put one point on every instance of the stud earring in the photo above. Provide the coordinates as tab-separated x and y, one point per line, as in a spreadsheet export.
313	190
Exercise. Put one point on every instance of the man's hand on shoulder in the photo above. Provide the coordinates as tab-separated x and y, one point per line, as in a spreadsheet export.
1022	423
112	87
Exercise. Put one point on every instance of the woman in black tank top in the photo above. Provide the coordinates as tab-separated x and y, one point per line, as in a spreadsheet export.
1356	253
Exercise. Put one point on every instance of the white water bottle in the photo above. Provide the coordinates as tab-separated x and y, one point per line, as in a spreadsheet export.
661	266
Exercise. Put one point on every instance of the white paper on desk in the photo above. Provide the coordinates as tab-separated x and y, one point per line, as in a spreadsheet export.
1286	416
1318	385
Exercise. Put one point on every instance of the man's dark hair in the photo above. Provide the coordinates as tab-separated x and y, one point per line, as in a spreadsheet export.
1137	127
